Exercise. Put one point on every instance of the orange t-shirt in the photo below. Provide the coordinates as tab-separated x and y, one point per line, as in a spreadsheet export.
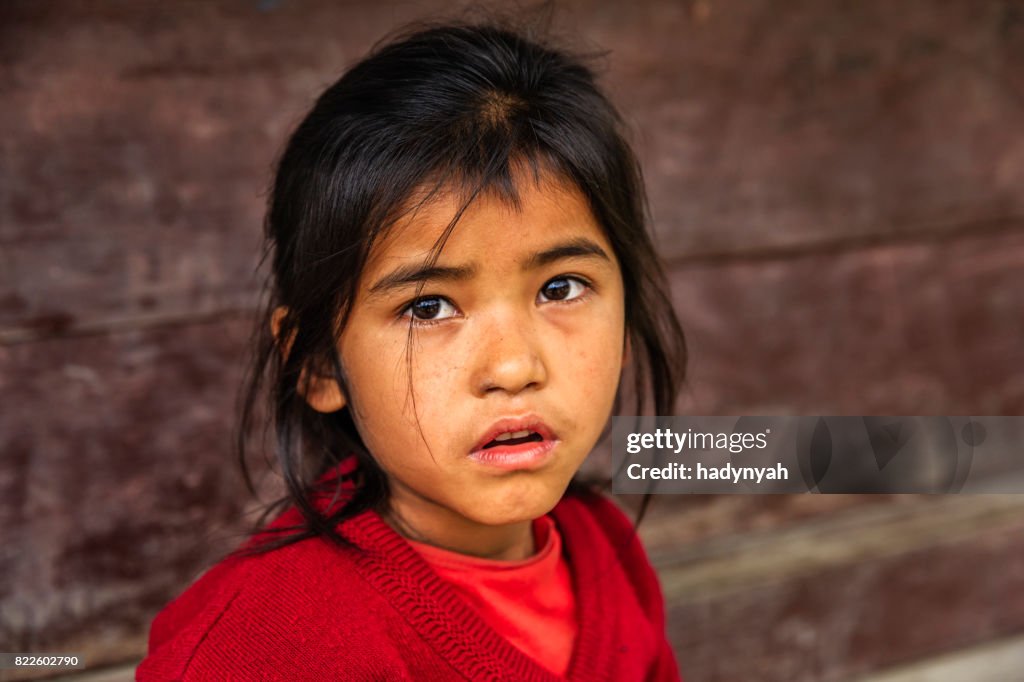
530	602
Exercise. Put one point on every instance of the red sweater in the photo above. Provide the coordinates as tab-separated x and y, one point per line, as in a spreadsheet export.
313	611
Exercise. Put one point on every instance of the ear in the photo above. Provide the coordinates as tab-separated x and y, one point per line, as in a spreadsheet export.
321	391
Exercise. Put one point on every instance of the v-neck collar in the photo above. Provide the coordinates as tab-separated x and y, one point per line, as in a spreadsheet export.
454	629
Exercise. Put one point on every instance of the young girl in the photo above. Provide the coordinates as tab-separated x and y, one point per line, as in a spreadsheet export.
460	273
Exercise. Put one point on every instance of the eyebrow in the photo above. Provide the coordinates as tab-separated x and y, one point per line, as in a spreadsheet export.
579	247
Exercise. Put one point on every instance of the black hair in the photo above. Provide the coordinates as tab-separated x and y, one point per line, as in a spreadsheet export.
454	106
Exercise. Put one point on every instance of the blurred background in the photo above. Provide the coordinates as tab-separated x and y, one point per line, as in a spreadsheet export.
836	192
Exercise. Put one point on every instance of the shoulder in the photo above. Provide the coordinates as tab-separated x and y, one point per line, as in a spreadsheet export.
180	628
265	614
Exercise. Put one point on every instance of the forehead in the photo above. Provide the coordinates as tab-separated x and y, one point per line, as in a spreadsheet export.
545	209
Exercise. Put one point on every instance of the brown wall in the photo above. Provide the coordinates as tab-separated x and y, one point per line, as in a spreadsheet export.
836	191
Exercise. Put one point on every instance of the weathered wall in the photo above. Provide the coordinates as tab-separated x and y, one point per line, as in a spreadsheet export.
835	188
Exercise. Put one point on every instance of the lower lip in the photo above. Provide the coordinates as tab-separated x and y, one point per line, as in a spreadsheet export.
516	457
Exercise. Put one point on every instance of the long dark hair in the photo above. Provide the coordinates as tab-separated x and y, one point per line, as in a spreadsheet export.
454	106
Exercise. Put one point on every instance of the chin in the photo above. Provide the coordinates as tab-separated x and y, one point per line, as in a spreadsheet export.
516	506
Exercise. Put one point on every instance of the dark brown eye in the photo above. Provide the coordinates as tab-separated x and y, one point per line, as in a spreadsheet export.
426	309
561	289
430	308
556	290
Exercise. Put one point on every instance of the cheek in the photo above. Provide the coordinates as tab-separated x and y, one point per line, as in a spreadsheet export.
590	368
436	370
596	350
599	370
379	374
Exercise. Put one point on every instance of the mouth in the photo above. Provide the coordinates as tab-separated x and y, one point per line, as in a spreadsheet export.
515	443
517	438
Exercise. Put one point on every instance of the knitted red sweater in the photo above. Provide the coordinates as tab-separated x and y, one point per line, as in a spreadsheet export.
313	611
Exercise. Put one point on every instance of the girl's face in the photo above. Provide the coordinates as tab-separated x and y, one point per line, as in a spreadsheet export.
516	353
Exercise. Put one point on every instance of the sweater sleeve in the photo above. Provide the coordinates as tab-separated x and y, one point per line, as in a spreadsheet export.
626	542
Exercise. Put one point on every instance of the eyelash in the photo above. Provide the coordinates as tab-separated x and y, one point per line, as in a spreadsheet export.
406	310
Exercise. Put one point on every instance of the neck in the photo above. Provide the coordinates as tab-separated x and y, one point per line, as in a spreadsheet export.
449	531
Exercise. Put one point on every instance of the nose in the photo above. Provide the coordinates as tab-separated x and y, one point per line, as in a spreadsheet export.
508	356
